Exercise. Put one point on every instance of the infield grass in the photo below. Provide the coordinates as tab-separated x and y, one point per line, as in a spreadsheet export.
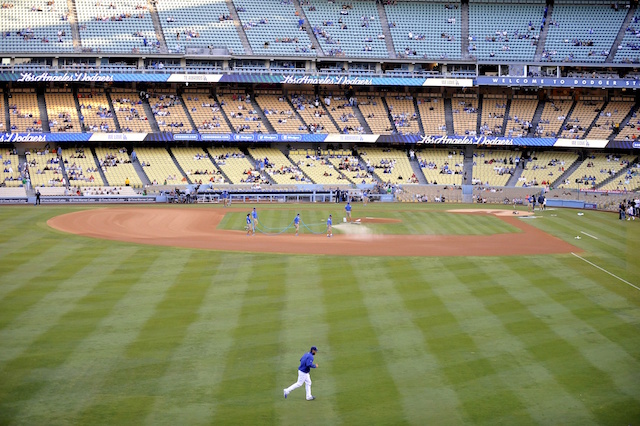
103	332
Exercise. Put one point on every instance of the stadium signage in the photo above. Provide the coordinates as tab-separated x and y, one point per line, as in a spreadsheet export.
556	82
21	137
467	140
581	143
636	145
329	80
29	77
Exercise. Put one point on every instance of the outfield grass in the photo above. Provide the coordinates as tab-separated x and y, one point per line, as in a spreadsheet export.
102	332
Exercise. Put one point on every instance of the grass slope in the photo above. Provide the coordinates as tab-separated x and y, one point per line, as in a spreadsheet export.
101	332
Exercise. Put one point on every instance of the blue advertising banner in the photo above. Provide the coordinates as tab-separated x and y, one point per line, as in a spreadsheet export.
608	83
487	140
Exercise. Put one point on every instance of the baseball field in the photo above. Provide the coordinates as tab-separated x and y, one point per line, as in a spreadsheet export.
172	315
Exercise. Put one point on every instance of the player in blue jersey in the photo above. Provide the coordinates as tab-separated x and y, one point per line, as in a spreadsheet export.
329	224
306	364
249	225
296	223
347	209
254	217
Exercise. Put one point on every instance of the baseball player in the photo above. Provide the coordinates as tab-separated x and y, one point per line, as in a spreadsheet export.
254	216
250	230
306	364
296	223
329	223
347	209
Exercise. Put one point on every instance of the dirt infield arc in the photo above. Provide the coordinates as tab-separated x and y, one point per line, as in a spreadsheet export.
196	228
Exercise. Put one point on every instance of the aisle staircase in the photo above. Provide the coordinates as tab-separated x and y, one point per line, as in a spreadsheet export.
238	24
384	22
307	26
542	38
621	32
42	107
97	161
157	26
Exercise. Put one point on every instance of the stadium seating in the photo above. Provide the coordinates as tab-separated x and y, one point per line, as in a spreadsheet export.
317	167
130	111
205	111
390	165
431	110
12	192
117	167
494	108
403	112
553	115
159	167
108	191
629	49
349	166
576	30
44	169
24	111
493	168
465	114
62	111
375	113
347	29
97	116
116	26
316	118
272	28
612	115
627	181
236	166
198	24
585	111
280	113
429	193
3	124
241	113
442	166
169	112
343	113
595	169
521	112
36	27
10	170
81	167
279	168
545	167
435	29
197	165
504	31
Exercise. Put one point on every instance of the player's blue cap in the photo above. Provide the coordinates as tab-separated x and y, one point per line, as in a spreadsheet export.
313	348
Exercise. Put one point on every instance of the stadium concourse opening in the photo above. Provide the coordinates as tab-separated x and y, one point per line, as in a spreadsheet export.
197	228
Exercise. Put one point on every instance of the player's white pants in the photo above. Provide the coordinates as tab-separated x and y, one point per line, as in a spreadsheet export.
303	378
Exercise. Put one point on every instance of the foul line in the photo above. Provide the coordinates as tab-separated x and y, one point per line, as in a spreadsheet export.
604	270
588	235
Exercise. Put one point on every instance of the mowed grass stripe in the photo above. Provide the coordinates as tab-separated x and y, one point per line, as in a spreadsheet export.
196	367
79	381
304	324
41	281
247	394
365	388
50	296
556	346
504	345
475	352
25	375
414	369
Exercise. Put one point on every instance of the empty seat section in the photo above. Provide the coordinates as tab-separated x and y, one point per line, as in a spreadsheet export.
465	114
628	181
503	31
45	169
493	168
317	167
521	112
425	30
273	28
241	113
350	166
545	167
375	113
278	166
494	108
553	115
40	26
159	167
347	29
280	113
62	111
431	109
234	164
315	117
117	167
403	112
96	112
205	111
198	24
10	171
198	166
130	111
24	111
81	167
629	49
442	166
169	112
116	26
610	117
595	169
577	34
585	111
390	165
343	113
